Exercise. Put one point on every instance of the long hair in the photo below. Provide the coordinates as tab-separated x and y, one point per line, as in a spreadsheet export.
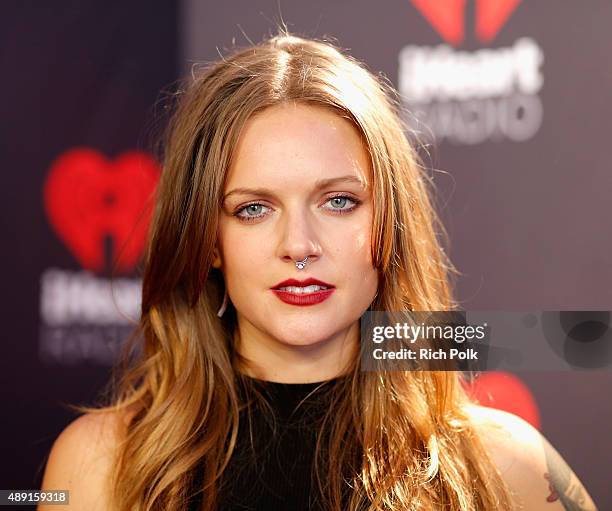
396	440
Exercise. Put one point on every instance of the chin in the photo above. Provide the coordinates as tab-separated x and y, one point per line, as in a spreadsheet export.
304	336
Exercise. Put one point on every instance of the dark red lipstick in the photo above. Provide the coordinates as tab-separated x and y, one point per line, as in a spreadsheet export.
301	298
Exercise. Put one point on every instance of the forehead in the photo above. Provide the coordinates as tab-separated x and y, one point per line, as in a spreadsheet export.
294	142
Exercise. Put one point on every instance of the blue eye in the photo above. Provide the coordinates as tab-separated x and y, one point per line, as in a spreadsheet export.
340	201
250	208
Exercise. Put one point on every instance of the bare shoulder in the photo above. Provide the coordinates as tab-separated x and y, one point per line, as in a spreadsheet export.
81	460
532	467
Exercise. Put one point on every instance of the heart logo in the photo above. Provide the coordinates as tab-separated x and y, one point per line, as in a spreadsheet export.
88	197
491	16
447	17
505	391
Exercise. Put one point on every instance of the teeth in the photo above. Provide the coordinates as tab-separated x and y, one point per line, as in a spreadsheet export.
302	290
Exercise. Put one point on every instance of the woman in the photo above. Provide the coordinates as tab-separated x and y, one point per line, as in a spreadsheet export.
291	202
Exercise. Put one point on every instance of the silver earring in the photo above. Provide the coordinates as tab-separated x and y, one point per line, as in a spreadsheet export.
301	264
223	305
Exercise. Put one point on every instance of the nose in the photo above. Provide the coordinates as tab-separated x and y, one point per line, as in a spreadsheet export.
298	237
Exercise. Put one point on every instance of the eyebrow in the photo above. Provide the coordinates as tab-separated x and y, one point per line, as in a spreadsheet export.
319	184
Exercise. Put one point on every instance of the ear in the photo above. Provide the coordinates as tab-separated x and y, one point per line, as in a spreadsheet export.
217	263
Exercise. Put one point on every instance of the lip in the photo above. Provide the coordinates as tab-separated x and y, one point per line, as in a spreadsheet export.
302	283
302	299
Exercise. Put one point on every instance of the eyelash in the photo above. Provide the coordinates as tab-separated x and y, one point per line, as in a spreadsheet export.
247	219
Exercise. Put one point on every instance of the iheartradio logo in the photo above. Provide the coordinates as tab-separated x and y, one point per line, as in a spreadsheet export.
89	199
470	97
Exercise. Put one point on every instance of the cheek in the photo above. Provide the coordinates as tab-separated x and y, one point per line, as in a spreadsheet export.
362	246
354	242
244	255
363	242
233	259
352	248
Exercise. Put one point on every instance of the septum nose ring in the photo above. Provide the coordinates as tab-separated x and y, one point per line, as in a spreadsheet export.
301	264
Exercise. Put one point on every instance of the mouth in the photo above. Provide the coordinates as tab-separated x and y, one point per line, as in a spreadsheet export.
308	285
303	292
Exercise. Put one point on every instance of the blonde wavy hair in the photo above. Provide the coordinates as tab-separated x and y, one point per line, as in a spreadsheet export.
405	436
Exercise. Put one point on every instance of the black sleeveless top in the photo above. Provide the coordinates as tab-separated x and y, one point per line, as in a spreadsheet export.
274	471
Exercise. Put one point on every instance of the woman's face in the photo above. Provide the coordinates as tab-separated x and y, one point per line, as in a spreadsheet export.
299	185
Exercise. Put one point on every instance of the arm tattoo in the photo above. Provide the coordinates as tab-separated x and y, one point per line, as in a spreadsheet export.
563	484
